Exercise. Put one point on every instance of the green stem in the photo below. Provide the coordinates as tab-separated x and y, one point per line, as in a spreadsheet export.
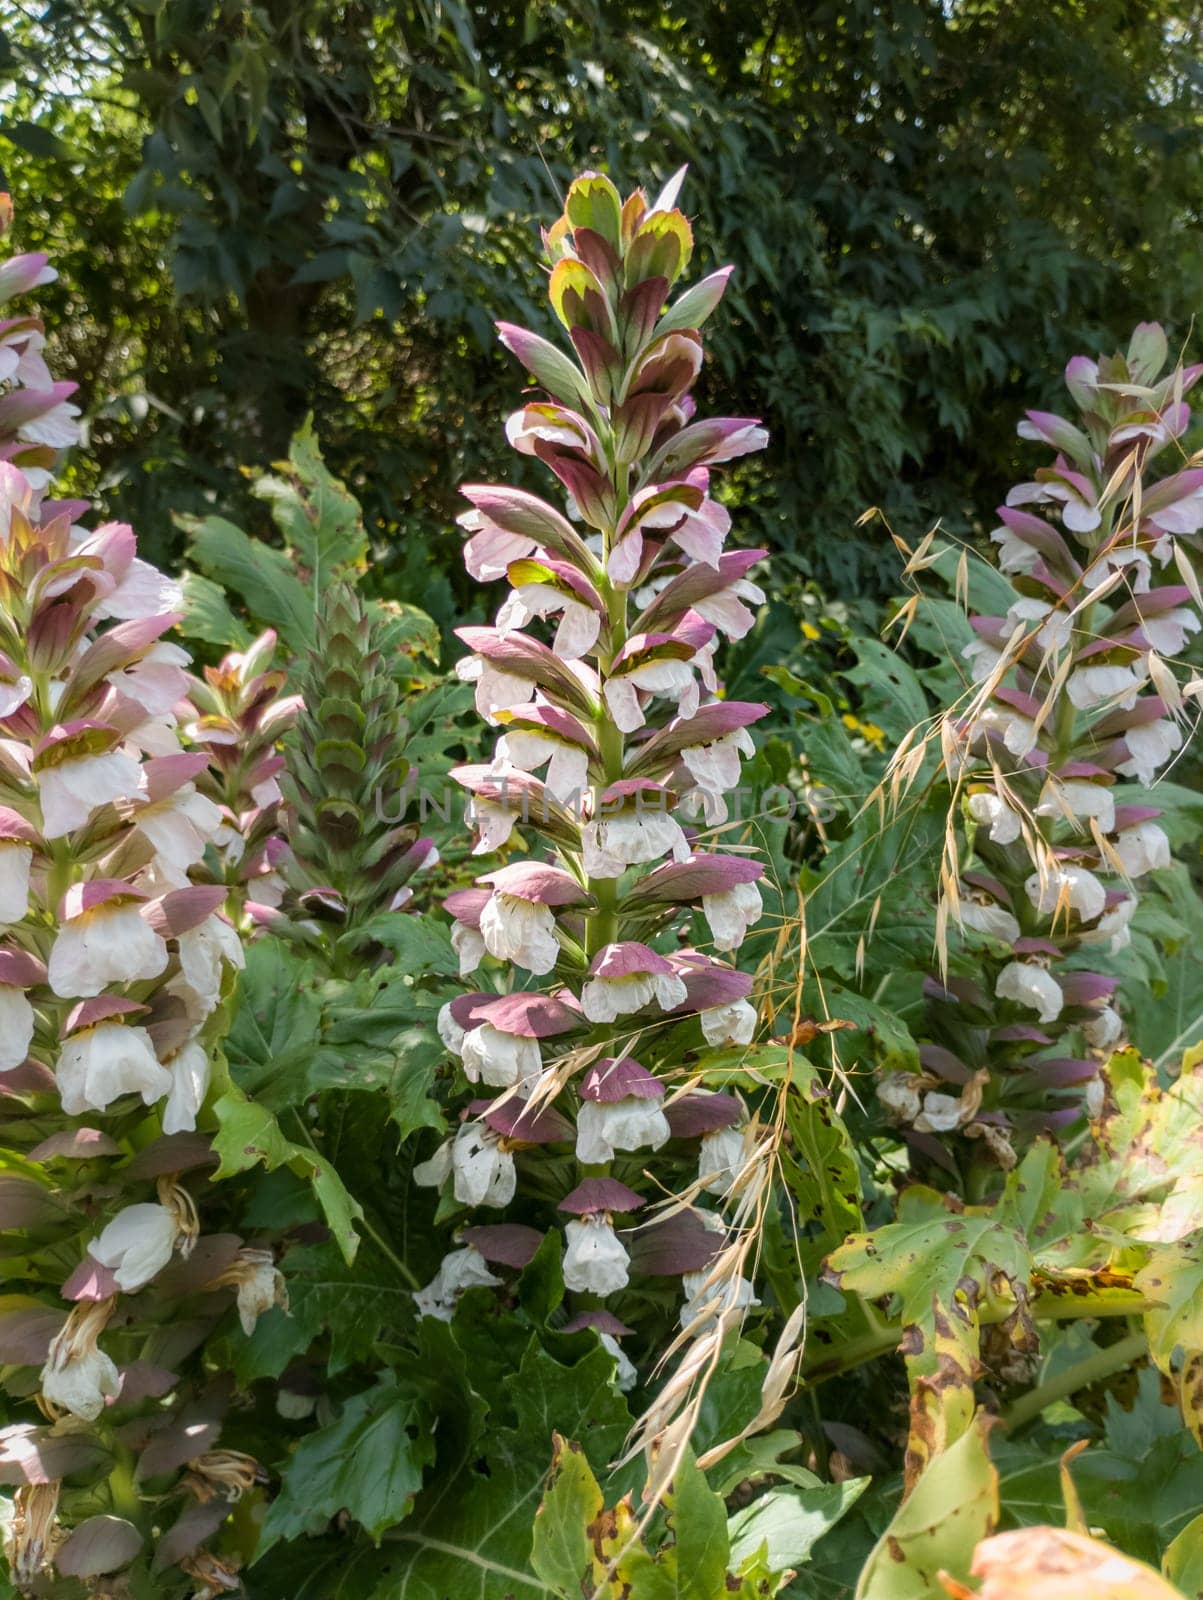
1080	1376
123	1490
833	1362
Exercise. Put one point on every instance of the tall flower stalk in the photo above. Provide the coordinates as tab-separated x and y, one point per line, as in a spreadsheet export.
614	758
113	969
1078	700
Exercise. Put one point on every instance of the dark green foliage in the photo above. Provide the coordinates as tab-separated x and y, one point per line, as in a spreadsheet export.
324	206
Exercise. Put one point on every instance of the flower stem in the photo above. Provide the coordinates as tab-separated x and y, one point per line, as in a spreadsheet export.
1080	1376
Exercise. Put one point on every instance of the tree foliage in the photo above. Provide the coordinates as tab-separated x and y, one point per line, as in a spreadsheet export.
284	207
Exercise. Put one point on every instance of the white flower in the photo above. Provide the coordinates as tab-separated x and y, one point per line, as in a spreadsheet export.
899	1093
715	766
625	1377
1075	797
78	1376
941	1113
469	945
189	1069
449	1030
70	791
713	1300
1149	747
595	1260
630	1124
720	1159
137	1244
103	1063
484	1173
502	1060
607	999
734	1023
1067	886
143	592
726	609
1031	986
731	913
991	919
157	680
1095	686
113	943
204	953
58	427
579	623
16	1026
992	811
655	678
1143	848
521	931
495	690
611	844
178	829
1019	734
1114	927
461	1269
1167	634
1014	554
433	1174
1105	1028
567	764
493	821
260	1286
1056	626
15	862
983	658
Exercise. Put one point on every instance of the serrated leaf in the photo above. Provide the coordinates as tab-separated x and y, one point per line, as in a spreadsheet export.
317	515
369	1463
207	614
472	1535
275	1047
248	1135
881	874
262	576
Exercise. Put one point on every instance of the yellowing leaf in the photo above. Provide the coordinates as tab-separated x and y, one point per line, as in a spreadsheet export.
1053	1564
953	1506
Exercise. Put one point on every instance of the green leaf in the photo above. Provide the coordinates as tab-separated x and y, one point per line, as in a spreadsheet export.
472	1534
954	1504
790	1522
207	615
891	694
248	1135
263	577
820	1166
319	518
927	1252
1182	1562
368	1463
275	1047
694	1564
893	1045
348	1303
420	943
881	875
